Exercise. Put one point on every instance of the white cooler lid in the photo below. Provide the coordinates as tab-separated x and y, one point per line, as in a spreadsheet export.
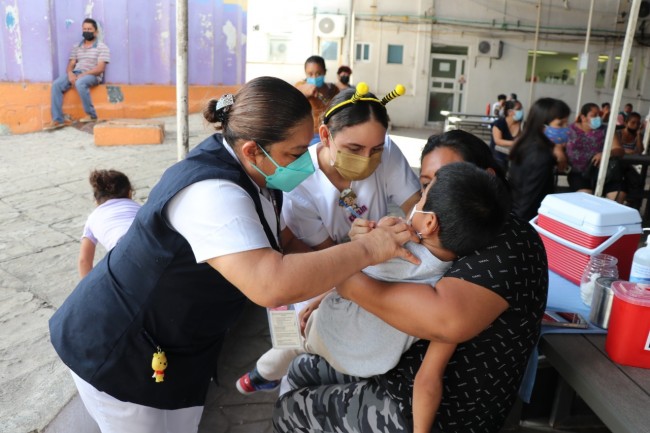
590	213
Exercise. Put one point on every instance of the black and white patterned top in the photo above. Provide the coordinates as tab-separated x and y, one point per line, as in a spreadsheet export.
483	376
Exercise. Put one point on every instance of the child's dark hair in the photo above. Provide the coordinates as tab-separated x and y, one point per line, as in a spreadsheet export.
109	184
471	204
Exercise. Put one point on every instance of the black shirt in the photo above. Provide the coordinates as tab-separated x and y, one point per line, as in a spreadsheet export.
483	376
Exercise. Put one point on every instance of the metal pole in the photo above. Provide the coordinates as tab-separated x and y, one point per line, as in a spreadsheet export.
182	109
532	71
618	93
582	72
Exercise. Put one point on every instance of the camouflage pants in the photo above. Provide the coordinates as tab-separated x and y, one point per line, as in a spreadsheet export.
326	401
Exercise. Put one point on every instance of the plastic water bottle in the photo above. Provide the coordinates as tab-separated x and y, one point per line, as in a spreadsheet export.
640	272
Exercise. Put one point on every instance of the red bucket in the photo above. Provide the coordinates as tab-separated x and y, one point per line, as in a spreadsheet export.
628	335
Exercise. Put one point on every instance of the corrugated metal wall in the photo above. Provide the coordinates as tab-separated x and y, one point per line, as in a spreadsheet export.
36	37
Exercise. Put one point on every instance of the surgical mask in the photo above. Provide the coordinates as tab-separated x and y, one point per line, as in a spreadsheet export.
595	122
89	36
287	178
356	167
557	135
316	81
345	79
519	114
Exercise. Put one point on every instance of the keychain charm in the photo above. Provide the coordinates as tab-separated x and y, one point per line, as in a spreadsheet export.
159	364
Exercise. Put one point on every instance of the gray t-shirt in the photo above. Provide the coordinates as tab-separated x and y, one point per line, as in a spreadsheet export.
355	341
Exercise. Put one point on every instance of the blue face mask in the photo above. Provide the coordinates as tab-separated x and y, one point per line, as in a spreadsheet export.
316	81
557	135
519	114
287	178
595	122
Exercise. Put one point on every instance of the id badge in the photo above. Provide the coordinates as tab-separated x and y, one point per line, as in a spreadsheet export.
285	331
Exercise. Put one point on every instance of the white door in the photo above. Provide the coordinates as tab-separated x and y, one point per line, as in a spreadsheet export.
446	85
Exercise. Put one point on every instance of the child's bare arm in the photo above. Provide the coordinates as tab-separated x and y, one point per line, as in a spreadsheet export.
427	389
86	256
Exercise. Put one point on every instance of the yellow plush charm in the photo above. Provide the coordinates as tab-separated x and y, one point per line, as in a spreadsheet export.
159	364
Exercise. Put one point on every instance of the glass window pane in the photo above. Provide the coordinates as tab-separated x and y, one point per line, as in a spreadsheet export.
449	85
603	61
366	51
553	68
329	50
443	68
358	52
438	102
617	62
437	84
395	54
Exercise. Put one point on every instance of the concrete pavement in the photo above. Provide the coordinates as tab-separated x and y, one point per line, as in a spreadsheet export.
44	201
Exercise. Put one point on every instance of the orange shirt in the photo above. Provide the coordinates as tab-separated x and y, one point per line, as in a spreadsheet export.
320	102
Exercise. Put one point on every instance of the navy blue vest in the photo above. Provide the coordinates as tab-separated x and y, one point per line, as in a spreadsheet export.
148	292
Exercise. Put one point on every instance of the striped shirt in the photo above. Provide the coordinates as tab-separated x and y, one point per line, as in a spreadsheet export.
88	57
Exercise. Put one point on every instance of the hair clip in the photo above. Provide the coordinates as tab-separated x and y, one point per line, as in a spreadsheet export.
360	91
224	102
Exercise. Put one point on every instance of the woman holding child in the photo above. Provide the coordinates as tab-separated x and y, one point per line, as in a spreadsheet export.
490	303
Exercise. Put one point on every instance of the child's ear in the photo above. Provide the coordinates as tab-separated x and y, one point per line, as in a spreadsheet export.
431	224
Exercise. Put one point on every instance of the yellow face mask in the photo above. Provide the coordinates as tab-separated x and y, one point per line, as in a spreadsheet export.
356	167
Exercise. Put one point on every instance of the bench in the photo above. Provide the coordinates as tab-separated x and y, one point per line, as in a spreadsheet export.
477	124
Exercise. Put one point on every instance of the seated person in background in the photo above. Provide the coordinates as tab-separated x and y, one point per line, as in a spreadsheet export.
630	138
498	107
621	119
85	69
505	130
532	158
584	150
605	111
489	302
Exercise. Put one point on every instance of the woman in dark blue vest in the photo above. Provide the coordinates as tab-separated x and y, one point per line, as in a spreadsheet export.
209	236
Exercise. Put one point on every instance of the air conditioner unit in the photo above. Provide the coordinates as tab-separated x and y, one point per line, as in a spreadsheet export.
278	49
490	48
330	26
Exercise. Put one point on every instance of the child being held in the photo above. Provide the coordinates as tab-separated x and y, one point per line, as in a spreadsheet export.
111	219
462	209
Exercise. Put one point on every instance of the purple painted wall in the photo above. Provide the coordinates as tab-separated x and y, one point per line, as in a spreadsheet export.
36	37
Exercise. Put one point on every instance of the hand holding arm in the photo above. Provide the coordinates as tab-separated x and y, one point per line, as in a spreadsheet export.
270	279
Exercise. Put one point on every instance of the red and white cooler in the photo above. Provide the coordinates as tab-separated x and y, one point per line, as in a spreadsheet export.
575	226
628	335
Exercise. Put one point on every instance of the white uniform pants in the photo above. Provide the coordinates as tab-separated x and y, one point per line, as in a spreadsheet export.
115	416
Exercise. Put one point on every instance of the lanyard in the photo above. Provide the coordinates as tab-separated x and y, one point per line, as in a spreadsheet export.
277	219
